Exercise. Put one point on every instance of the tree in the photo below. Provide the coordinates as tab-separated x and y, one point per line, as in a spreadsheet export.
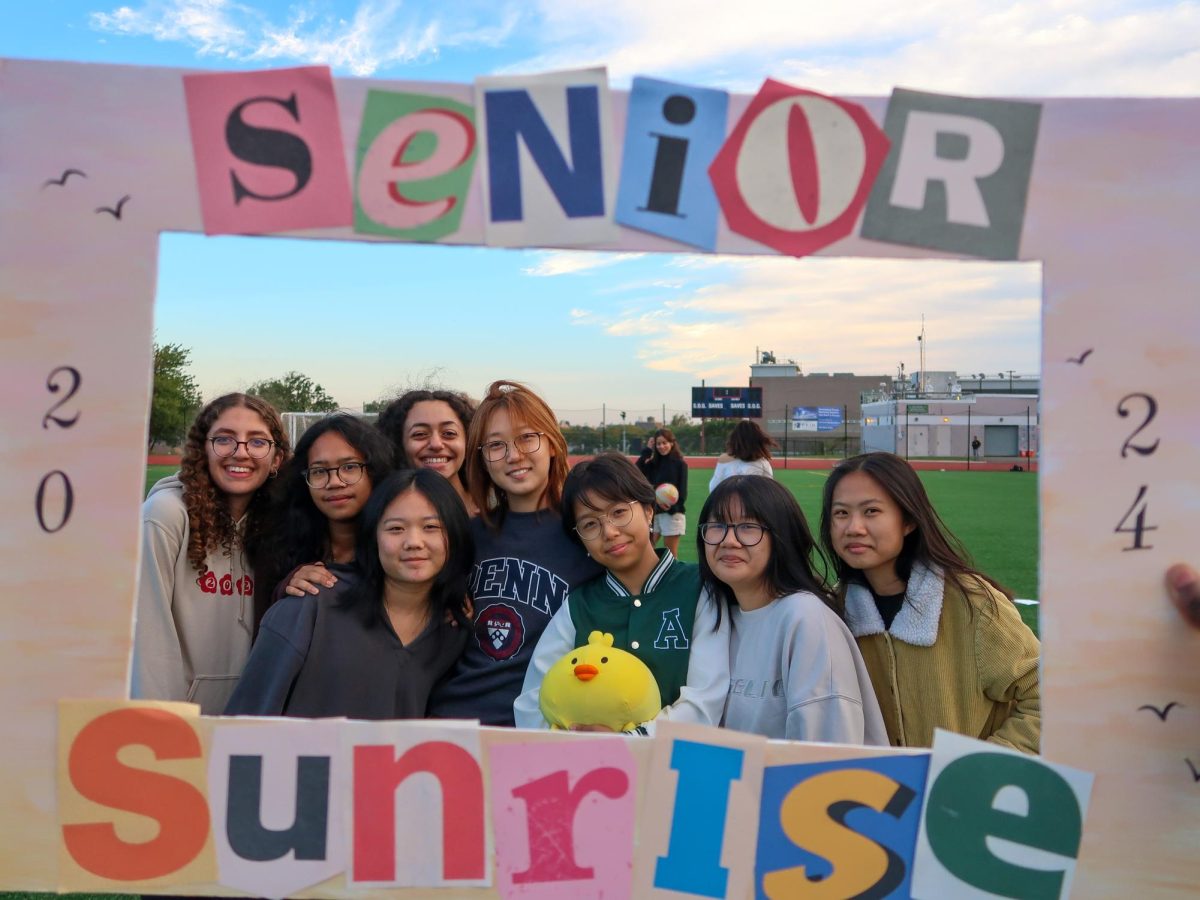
176	398
294	392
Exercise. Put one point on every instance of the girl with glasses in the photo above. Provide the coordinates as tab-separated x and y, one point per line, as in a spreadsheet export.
373	645
648	601
794	671
429	430
524	563
195	592
945	646
312	529
666	466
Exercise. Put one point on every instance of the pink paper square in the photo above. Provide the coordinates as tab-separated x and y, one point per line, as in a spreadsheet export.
577	802
268	150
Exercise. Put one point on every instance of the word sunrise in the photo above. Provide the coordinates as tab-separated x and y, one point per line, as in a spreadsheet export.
152	795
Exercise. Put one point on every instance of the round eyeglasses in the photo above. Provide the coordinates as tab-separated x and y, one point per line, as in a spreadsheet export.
590	527
528	442
747	533
256	448
347	473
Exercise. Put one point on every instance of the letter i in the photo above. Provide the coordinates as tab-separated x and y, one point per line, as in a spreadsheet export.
667	178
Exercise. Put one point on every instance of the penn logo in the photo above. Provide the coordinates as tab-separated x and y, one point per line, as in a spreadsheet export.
500	631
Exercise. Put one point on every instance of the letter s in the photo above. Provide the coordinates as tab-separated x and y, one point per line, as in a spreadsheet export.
180	810
267	147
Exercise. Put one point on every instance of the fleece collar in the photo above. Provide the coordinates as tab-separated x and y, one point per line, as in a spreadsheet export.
917	621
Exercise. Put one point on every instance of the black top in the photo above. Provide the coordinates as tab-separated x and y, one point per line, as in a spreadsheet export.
330	655
661	469
888	606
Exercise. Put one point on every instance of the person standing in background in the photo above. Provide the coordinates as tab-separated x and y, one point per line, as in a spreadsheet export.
747	452
667	466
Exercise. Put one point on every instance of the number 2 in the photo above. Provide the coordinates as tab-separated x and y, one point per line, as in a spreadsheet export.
53	387
1151	412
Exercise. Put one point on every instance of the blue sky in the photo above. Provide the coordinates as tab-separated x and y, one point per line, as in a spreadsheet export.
634	331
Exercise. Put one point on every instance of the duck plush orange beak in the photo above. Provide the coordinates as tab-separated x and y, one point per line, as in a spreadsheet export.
598	684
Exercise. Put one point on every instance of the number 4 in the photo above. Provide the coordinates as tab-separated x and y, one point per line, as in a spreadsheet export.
1139	527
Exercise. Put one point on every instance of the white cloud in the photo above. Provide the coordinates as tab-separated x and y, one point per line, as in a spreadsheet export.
378	34
843	315
1066	47
570	262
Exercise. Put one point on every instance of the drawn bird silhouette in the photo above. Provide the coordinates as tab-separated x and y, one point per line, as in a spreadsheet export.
1078	360
115	212
1192	766
1161	713
61	180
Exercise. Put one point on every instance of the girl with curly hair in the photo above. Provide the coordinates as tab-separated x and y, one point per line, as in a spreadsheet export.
196	589
429	430
312	528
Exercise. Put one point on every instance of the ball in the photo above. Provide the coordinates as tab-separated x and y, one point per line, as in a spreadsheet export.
666	494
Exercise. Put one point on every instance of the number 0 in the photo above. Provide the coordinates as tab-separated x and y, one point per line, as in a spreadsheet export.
68	501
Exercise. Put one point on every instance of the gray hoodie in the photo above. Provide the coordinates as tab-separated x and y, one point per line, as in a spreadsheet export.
191	632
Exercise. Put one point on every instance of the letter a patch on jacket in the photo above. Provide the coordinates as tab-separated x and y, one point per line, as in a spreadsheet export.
671	635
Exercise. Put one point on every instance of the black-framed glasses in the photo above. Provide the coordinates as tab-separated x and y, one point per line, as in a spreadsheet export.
224	445
527	442
747	533
348	473
590	528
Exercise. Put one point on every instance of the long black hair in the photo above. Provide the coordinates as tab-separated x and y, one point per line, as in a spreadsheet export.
448	593
297	532
930	543
790	567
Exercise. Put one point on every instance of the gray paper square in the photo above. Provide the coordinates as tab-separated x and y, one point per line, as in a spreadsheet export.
957	175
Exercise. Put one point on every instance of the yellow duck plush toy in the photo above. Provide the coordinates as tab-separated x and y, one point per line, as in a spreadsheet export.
598	684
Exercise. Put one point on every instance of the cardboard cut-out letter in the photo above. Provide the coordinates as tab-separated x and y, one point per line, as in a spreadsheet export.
796	169
839	829
997	823
699	813
958	174
277	791
131	796
416	155
563	818
672	133
268	151
409	778
549	158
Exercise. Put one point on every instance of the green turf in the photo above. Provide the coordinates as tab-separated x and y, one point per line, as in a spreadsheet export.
994	514
153	473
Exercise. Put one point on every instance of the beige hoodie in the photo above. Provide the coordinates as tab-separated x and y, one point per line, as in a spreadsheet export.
191	632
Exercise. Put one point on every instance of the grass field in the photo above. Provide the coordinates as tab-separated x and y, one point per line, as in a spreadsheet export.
993	513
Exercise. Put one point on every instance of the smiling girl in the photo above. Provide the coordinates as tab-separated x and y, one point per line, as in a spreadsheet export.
666	465
429	430
524	563
795	671
312	529
373	645
195	592
945	646
649	602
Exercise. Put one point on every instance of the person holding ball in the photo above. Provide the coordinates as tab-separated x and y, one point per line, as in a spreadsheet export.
665	468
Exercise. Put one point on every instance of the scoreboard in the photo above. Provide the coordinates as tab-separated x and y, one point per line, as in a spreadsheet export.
726	402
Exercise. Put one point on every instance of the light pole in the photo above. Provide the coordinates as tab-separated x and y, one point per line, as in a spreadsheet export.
624	447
